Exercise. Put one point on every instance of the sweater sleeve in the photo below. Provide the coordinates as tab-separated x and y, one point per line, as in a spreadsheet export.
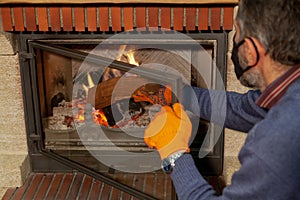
237	111
188	182
255	180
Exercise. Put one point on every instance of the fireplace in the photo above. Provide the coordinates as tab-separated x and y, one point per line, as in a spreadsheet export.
55	42
67	78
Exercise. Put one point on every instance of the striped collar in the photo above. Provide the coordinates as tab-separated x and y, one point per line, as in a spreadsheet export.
278	88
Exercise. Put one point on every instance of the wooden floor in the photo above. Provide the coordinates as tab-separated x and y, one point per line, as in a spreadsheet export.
71	186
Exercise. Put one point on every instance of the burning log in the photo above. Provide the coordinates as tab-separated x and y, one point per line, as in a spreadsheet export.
101	95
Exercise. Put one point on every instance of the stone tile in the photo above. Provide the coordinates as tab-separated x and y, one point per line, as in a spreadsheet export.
231	165
11	162
10	173
13	144
234	141
11	100
8	42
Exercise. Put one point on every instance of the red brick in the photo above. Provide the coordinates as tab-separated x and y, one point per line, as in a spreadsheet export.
74	188
128	18
67	18
153	16
91	19
42	19
44	186
54	19
54	186
65	186
18	18
105	192
228	18
20	191
86	186
215	19
203	18
33	187
9	193
103	19
140	17
166	17
79	19
116	18
190	18
96	188
30	19
178	18
6	19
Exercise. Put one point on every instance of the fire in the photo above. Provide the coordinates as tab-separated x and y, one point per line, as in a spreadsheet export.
90	84
99	117
129	55
79	105
153	94
131	59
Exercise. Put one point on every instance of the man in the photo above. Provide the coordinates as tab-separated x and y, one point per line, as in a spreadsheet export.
266	56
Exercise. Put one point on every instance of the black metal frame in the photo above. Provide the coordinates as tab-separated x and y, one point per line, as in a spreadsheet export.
45	161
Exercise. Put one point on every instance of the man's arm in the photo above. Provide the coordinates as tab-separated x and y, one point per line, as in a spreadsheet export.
240	110
255	180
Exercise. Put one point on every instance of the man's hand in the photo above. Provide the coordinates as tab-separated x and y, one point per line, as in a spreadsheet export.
169	131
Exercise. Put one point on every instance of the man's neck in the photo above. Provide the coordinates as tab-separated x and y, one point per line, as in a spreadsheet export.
272	70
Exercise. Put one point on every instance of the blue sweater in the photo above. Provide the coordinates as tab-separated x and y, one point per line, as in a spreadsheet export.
270	157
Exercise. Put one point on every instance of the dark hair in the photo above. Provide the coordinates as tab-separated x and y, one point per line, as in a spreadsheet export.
276	24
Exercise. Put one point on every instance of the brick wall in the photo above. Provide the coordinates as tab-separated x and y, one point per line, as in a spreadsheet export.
116	18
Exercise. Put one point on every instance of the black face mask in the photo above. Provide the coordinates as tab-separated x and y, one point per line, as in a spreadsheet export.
239	71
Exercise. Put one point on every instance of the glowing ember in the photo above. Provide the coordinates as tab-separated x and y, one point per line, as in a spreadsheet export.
98	115
100	118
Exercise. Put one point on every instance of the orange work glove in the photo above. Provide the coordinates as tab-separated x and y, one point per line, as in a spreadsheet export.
169	131
162	95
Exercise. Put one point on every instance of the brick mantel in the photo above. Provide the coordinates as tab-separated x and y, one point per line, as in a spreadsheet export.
117	17
122	1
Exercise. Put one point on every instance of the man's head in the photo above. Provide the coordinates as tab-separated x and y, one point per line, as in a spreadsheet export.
274	27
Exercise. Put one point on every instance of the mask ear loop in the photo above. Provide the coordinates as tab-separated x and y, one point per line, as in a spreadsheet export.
256	50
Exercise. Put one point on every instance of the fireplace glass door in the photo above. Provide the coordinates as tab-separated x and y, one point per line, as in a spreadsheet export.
93	99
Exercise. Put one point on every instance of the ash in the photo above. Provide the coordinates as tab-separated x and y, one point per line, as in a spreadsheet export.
139	119
62	117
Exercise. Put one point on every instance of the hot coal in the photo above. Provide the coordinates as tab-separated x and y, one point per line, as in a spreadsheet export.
119	110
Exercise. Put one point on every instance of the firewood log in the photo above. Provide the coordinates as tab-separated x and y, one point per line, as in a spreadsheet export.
101	96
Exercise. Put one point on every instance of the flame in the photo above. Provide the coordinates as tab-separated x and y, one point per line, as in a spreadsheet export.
78	105
121	52
90	84
99	117
131	59
90	81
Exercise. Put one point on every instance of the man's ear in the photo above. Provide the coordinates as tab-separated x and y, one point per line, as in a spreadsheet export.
253	50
